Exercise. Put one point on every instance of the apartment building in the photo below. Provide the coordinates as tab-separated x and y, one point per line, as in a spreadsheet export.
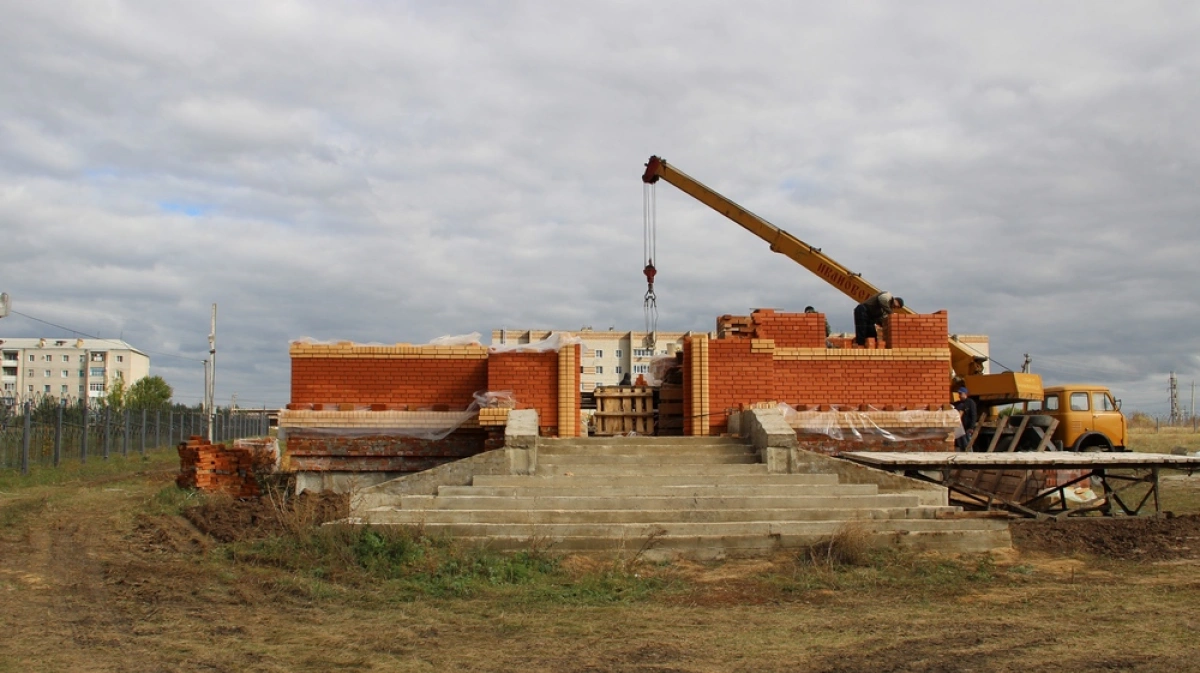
33	368
607	355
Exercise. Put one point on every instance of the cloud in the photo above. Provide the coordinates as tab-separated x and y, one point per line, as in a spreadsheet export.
394	172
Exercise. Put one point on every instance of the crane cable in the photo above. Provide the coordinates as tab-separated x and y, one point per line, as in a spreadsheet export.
649	244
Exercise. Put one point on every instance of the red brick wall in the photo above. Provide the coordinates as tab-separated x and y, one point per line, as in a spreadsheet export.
879	383
533	379
790	330
918	330
403	381
317	451
736	376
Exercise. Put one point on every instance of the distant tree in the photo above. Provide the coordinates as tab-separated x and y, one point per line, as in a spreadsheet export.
117	394
151	392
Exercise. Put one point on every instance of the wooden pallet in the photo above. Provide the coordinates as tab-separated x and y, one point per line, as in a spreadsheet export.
670	409
621	410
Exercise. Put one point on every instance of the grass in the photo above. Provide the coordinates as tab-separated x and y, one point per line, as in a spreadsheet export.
73	471
1163	440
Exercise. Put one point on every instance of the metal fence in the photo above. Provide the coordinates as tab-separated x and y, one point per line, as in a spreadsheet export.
32	435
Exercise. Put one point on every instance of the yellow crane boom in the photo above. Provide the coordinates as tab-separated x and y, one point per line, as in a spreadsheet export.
1006	387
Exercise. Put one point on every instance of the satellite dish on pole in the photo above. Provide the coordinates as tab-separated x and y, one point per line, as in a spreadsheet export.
5	304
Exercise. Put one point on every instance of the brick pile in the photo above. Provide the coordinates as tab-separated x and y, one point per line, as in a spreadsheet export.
217	468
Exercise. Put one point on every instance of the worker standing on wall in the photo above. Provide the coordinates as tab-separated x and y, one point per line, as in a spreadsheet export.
871	313
969	415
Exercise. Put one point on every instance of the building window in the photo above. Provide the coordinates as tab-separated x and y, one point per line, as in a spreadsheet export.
64	390
599	353
618	353
66	358
96	387
10	387
31	360
29	373
30	387
49	373
96	371
599	369
641	369
618	369
66	373
120	358
47	391
48	358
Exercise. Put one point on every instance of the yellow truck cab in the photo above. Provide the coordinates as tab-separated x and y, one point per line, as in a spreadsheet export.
1089	418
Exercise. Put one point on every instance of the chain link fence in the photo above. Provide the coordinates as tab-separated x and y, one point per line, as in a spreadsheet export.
44	435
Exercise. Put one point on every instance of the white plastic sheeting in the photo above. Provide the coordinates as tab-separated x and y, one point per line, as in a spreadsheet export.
853	425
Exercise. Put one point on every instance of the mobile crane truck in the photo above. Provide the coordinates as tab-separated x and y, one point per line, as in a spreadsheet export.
1076	417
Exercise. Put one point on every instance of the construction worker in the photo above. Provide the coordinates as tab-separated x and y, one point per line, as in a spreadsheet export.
809	309
968	413
871	313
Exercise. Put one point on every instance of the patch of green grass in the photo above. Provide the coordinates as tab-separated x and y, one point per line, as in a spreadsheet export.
71	471
407	561
888	570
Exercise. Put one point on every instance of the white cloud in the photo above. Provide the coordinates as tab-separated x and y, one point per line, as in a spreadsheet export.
399	171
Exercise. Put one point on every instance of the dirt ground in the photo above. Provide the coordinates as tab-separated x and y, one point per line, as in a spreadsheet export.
93	579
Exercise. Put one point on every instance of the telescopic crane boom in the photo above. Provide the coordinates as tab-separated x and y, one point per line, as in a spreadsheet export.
967	365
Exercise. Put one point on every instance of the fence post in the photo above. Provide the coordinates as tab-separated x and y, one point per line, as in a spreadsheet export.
143	432
125	439
158	429
58	432
107	430
25	437
83	438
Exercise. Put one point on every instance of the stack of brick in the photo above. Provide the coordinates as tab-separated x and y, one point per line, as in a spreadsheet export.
216	468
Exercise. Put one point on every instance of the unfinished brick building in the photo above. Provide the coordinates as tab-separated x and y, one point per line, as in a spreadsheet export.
369	413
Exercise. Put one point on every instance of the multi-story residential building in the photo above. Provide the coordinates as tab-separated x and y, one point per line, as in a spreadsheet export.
33	368
607	356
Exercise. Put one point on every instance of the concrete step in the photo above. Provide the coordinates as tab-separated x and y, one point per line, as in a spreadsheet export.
516	504
586	480
973	538
534	489
714	458
650	451
546	468
572	443
388	515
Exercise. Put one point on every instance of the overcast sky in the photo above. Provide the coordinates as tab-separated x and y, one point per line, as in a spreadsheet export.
398	171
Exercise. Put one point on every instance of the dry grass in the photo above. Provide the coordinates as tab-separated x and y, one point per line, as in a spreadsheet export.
86	588
1163	440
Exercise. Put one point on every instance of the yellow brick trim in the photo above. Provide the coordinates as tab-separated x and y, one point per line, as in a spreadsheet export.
864	354
568	414
293	418
347	350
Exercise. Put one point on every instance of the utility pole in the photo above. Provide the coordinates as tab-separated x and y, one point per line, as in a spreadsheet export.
210	373
1176	414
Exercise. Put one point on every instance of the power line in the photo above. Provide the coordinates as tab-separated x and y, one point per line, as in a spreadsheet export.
90	336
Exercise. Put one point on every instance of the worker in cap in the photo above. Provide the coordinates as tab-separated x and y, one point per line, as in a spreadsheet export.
968	414
870	314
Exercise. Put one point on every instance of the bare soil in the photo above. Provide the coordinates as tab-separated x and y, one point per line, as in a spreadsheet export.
91	579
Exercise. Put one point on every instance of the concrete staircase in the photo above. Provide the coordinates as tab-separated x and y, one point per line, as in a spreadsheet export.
674	497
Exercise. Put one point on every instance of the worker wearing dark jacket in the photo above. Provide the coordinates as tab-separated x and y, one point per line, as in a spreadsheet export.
871	313
969	414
